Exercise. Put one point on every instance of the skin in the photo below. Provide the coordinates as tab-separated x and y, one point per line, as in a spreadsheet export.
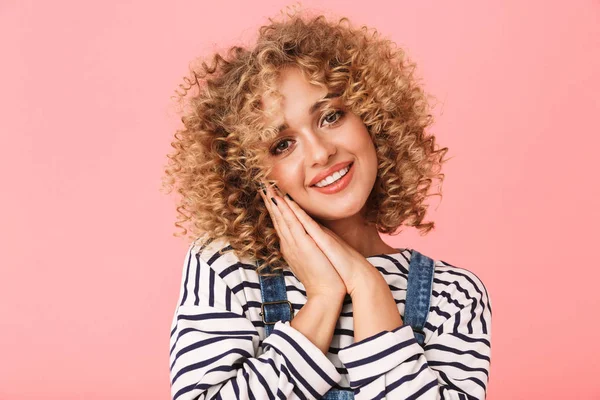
317	146
312	143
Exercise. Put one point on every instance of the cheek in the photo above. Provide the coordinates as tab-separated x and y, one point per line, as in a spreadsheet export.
365	150
358	131
362	140
288	172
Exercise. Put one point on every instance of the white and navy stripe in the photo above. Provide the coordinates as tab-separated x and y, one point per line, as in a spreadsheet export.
219	349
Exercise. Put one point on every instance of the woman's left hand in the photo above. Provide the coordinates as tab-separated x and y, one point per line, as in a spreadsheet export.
352	267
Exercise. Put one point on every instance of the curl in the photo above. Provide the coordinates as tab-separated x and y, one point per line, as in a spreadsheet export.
218	155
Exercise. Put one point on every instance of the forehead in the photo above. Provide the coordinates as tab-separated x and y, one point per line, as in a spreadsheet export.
292	81
295	96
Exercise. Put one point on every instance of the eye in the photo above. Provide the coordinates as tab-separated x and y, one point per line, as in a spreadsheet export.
332	117
276	147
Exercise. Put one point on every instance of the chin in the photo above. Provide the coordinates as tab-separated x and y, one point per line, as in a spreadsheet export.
339	209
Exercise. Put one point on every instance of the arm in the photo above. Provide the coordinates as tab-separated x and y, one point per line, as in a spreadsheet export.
373	294
317	319
214	348
454	364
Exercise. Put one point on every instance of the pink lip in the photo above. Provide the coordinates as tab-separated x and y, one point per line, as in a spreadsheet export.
328	172
339	185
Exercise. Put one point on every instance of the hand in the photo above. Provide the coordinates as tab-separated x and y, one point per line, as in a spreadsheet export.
351	266
305	258
342	253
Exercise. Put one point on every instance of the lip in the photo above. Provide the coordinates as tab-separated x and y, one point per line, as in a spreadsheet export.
339	185
328	172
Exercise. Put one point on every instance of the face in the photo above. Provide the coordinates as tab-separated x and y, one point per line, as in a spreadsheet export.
312	142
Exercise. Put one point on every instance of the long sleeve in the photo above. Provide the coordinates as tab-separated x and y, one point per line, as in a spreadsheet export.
454	364
214	347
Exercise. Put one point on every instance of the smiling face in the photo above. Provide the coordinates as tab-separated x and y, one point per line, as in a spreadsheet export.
312	142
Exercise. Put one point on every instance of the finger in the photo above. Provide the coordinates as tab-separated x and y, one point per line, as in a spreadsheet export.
297	231
329	244
331	233
309	224
268	205
282	228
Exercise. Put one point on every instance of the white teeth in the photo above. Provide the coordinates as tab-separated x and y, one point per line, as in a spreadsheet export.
333	177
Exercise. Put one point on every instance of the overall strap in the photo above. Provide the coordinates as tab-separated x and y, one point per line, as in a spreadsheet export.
275	305
418	293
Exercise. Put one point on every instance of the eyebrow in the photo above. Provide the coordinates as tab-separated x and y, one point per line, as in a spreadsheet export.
311	110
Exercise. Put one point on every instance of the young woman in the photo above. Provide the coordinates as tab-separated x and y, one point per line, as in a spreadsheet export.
294	156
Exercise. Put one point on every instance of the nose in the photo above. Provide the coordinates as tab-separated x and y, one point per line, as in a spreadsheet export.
319	149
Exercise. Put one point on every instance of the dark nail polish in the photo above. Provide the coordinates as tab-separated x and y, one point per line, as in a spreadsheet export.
264	191
289	197
274	200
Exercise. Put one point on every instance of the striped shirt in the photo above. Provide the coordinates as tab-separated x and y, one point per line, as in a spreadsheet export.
218	347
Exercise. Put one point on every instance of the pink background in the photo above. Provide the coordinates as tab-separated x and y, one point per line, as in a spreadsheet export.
90	271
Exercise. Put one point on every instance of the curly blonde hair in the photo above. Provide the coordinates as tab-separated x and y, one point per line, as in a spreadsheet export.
219	154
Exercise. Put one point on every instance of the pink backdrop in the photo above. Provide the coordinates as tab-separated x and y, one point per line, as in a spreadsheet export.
90	271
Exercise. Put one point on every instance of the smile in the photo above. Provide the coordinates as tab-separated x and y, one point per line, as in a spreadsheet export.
344	178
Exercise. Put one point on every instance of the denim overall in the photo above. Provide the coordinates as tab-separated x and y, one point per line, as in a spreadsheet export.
275	306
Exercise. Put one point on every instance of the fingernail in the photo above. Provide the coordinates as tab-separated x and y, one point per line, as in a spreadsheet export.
274	200
262	187
289	197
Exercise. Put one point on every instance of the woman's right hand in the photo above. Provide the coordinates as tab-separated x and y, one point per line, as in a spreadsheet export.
306	260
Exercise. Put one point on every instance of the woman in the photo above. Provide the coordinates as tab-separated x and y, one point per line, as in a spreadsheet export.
294	156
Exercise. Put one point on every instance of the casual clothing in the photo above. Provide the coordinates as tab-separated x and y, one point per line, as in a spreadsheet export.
277	308
219	346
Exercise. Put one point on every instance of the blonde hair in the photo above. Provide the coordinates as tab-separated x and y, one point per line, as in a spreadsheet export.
218	157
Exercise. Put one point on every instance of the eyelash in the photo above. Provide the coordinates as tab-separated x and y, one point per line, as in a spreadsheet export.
337	112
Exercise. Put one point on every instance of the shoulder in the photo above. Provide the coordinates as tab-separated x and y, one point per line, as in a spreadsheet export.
455	287
459	300
450	277
215	276
460	278
210	250
217	255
